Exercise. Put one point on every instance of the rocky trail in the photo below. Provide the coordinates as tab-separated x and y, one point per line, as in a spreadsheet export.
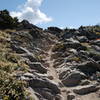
67	93
52	72
56	64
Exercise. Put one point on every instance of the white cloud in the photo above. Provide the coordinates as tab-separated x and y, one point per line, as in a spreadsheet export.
31	12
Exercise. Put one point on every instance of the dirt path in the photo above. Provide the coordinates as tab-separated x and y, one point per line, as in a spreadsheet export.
51	70
53	73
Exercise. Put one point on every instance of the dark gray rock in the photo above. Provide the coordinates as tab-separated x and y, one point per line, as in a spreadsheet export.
73	79
18	49
37	66
85	82
96	42
70	96
36	33
43	87
26	25
89	67
82	38
75	45
64	72
58	97
69	33
86	89
88	33
54	30
29	56
40	82
45	93
97	48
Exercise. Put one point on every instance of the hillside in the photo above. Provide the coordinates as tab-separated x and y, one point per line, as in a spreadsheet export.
50	64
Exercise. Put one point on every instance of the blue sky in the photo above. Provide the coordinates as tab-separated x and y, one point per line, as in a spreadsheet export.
61	13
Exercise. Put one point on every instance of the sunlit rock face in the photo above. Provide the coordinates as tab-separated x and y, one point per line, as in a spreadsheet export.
50	64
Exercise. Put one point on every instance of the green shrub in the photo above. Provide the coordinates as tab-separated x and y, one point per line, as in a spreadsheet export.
6	21
11	88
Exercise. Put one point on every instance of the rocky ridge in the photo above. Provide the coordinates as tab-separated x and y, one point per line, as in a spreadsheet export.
55	64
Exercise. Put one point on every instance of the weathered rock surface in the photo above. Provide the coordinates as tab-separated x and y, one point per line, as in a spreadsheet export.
86	89
71	96
60	64
42	85
73	79
37	66
89	67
